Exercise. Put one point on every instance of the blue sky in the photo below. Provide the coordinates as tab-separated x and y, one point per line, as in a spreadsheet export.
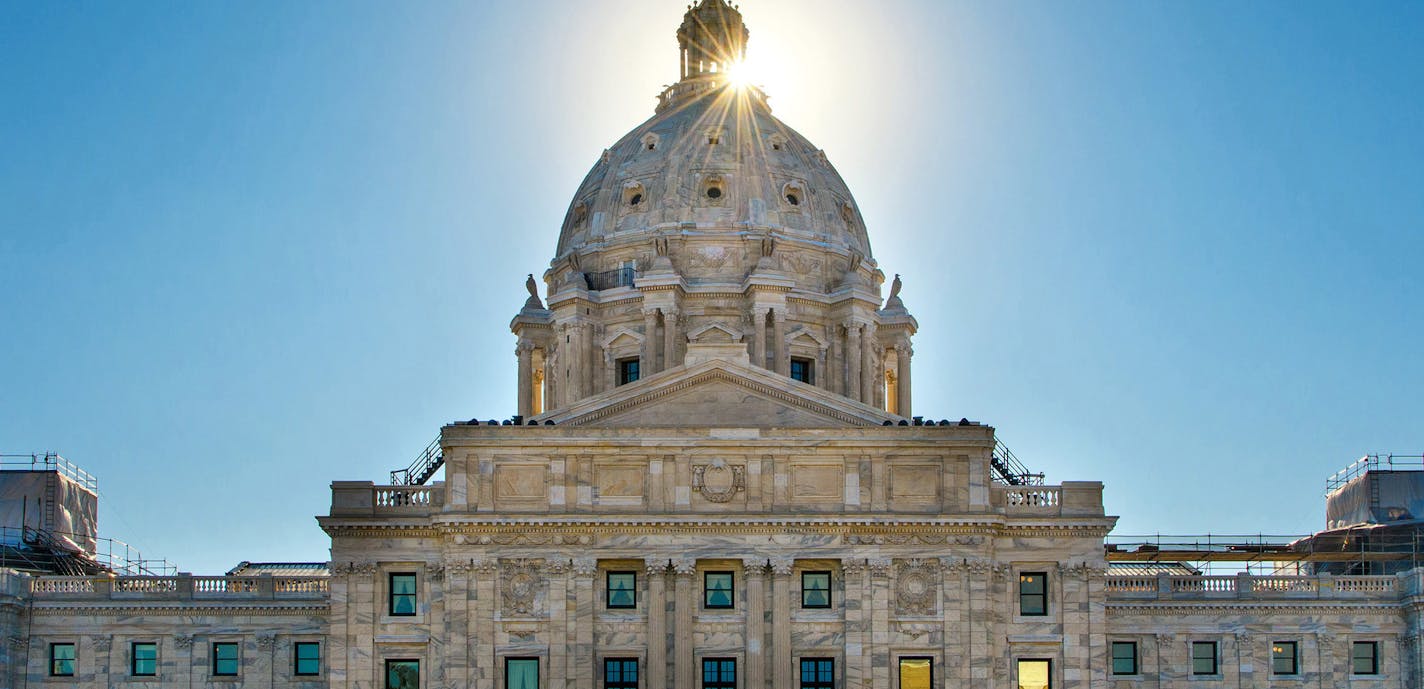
250	248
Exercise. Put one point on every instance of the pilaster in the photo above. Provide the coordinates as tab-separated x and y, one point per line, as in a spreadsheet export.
879	651
482	666
581	650
655	569
781	675
754	573
684	677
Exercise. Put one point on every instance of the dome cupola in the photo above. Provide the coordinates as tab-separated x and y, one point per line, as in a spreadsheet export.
712	219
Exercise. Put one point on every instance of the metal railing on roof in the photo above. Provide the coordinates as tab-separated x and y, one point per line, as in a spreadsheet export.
422	468
1009	470
1377	462
49	461
608	279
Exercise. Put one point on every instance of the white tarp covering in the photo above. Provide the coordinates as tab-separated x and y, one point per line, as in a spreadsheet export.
75	519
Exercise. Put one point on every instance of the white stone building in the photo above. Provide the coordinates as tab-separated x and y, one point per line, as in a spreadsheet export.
714	482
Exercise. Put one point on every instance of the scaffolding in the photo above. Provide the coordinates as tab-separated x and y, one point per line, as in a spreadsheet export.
1368	463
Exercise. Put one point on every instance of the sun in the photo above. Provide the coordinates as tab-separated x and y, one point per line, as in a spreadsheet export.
741	74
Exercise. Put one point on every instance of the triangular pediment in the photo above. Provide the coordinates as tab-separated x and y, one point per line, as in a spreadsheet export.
721	393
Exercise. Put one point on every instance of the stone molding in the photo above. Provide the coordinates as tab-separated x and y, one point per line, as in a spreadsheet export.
158	609
878	566
266	642
684	567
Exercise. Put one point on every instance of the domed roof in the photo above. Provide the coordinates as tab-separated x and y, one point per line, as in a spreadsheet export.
713	156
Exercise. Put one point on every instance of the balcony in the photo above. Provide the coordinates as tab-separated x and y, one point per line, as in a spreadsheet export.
365	499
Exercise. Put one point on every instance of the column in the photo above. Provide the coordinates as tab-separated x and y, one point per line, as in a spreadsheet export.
835	365
482	663
525	351
781	361
879	614
650	343
953	598
556	570
670	335
902	379
585	358
754	571
655	568
581	672
684	677
759	337
457	622
361	650
855	659
853	352
868	365
781	622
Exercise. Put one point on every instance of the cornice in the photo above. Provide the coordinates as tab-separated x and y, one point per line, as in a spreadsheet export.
925	530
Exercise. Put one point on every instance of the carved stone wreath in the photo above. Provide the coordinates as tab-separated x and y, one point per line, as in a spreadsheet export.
915	587
719	481
519	587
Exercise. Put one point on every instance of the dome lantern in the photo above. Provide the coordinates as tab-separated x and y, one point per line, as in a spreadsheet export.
711	40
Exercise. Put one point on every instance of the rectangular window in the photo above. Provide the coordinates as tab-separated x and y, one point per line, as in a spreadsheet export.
61	660
1283	658
818	673
627	371
402	594
620	673
622	590
803	370
308	655
1035	674
719	673
815	589
143	659
916	673
717	590
402	674
1033	593
1124	657
225	659
1203	657
521	673
1364	658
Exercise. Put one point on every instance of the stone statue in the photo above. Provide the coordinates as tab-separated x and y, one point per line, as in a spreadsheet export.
894	288
533	302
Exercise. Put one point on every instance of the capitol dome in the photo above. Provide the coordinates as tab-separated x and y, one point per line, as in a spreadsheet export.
712	226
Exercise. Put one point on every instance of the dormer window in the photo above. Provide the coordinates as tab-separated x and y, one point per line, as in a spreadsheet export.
792	194
714	188
634	195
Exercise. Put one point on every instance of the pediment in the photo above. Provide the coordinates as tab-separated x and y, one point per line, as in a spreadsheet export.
719	393
714	333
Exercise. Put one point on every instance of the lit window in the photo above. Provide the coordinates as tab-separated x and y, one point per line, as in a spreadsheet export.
1364	658
916	673
818	673
1124	658
717	590
225	659
143	659
402	594
61	660
622	590
620	673
815	589
1033	593
308	657
627	370
402	674
521	673
1203	657
803	370
1035	674
1283	658
719	673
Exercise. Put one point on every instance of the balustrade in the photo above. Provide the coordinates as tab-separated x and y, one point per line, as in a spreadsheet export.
181	586
1251	586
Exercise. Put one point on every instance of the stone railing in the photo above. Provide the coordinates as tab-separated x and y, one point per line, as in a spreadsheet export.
1072	499
365	499
180	587
1166	587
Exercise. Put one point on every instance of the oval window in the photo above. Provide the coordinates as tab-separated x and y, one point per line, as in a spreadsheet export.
793	199
714	192
637	199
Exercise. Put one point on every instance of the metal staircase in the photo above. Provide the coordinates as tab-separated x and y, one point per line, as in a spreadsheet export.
1009	470
425	465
